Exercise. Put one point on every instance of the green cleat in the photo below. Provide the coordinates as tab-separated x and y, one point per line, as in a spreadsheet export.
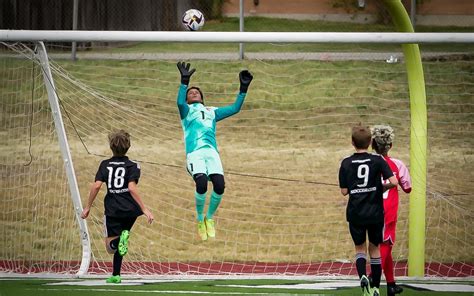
123	243
375	291
202	230
115	279
365	286
211	230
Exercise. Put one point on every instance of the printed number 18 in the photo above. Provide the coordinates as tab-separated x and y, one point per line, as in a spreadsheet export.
116	180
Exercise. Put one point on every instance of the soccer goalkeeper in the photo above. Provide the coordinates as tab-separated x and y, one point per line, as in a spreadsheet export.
202	157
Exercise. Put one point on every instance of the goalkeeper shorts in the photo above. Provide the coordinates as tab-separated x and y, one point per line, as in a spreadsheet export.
204	161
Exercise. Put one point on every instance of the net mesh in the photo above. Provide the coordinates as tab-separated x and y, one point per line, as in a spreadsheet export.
282	212
37	221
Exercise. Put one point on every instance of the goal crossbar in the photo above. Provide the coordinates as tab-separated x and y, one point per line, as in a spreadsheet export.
219	37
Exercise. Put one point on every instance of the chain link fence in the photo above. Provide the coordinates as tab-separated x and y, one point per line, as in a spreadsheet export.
113	15
223	15
164	15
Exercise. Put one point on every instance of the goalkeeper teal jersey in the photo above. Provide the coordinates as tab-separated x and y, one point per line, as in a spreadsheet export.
199	121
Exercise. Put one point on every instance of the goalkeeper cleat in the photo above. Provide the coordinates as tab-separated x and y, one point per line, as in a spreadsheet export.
211	230
365	286
123	243
115	279
202	230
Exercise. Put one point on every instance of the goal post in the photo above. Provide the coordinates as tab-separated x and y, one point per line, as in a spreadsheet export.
66	154
418	141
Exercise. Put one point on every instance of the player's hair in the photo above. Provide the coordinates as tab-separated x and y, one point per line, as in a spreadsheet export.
361	136
198	89
119	142
382	138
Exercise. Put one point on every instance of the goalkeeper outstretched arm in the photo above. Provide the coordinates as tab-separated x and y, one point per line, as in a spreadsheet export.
245	78
181	101
186	72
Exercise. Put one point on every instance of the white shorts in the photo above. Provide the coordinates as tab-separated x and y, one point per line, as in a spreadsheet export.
204	161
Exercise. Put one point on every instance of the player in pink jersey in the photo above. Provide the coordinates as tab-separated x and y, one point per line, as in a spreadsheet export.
382	139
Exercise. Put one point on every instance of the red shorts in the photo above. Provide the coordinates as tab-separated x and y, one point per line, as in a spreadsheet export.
389	232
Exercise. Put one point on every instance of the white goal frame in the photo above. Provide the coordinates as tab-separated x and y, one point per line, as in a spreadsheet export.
66	155
235	37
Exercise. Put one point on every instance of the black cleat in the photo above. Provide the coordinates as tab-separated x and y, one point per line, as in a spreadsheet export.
395	289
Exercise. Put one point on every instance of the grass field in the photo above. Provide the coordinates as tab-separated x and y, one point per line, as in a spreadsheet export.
40	287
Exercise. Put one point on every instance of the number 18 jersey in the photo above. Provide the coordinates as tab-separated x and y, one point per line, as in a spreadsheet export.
361	174
116	173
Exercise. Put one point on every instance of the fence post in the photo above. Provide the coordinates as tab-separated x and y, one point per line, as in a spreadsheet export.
74	27
241	28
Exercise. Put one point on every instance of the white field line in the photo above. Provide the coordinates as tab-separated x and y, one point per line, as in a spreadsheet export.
176	292
324	285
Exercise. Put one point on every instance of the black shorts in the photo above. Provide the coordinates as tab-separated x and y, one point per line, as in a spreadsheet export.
358	233
114	225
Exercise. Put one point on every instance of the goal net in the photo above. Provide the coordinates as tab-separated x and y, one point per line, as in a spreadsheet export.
282	212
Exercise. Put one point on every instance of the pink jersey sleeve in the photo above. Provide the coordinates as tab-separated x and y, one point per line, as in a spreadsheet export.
404	175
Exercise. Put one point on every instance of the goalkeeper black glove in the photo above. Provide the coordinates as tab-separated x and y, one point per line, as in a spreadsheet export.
185	72
245	78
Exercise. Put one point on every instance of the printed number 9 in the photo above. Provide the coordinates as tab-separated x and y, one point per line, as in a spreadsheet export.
363	173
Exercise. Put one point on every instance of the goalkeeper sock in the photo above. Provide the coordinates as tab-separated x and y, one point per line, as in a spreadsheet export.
361	260
117	263
114	243
213	204
200	201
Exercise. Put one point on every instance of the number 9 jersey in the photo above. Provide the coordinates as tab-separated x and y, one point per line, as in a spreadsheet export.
116	173
361	174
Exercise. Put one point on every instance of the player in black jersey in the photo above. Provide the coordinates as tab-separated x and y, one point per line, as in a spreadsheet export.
360	176
122	202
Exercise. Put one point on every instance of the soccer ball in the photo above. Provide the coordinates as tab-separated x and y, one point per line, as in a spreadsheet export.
193	20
